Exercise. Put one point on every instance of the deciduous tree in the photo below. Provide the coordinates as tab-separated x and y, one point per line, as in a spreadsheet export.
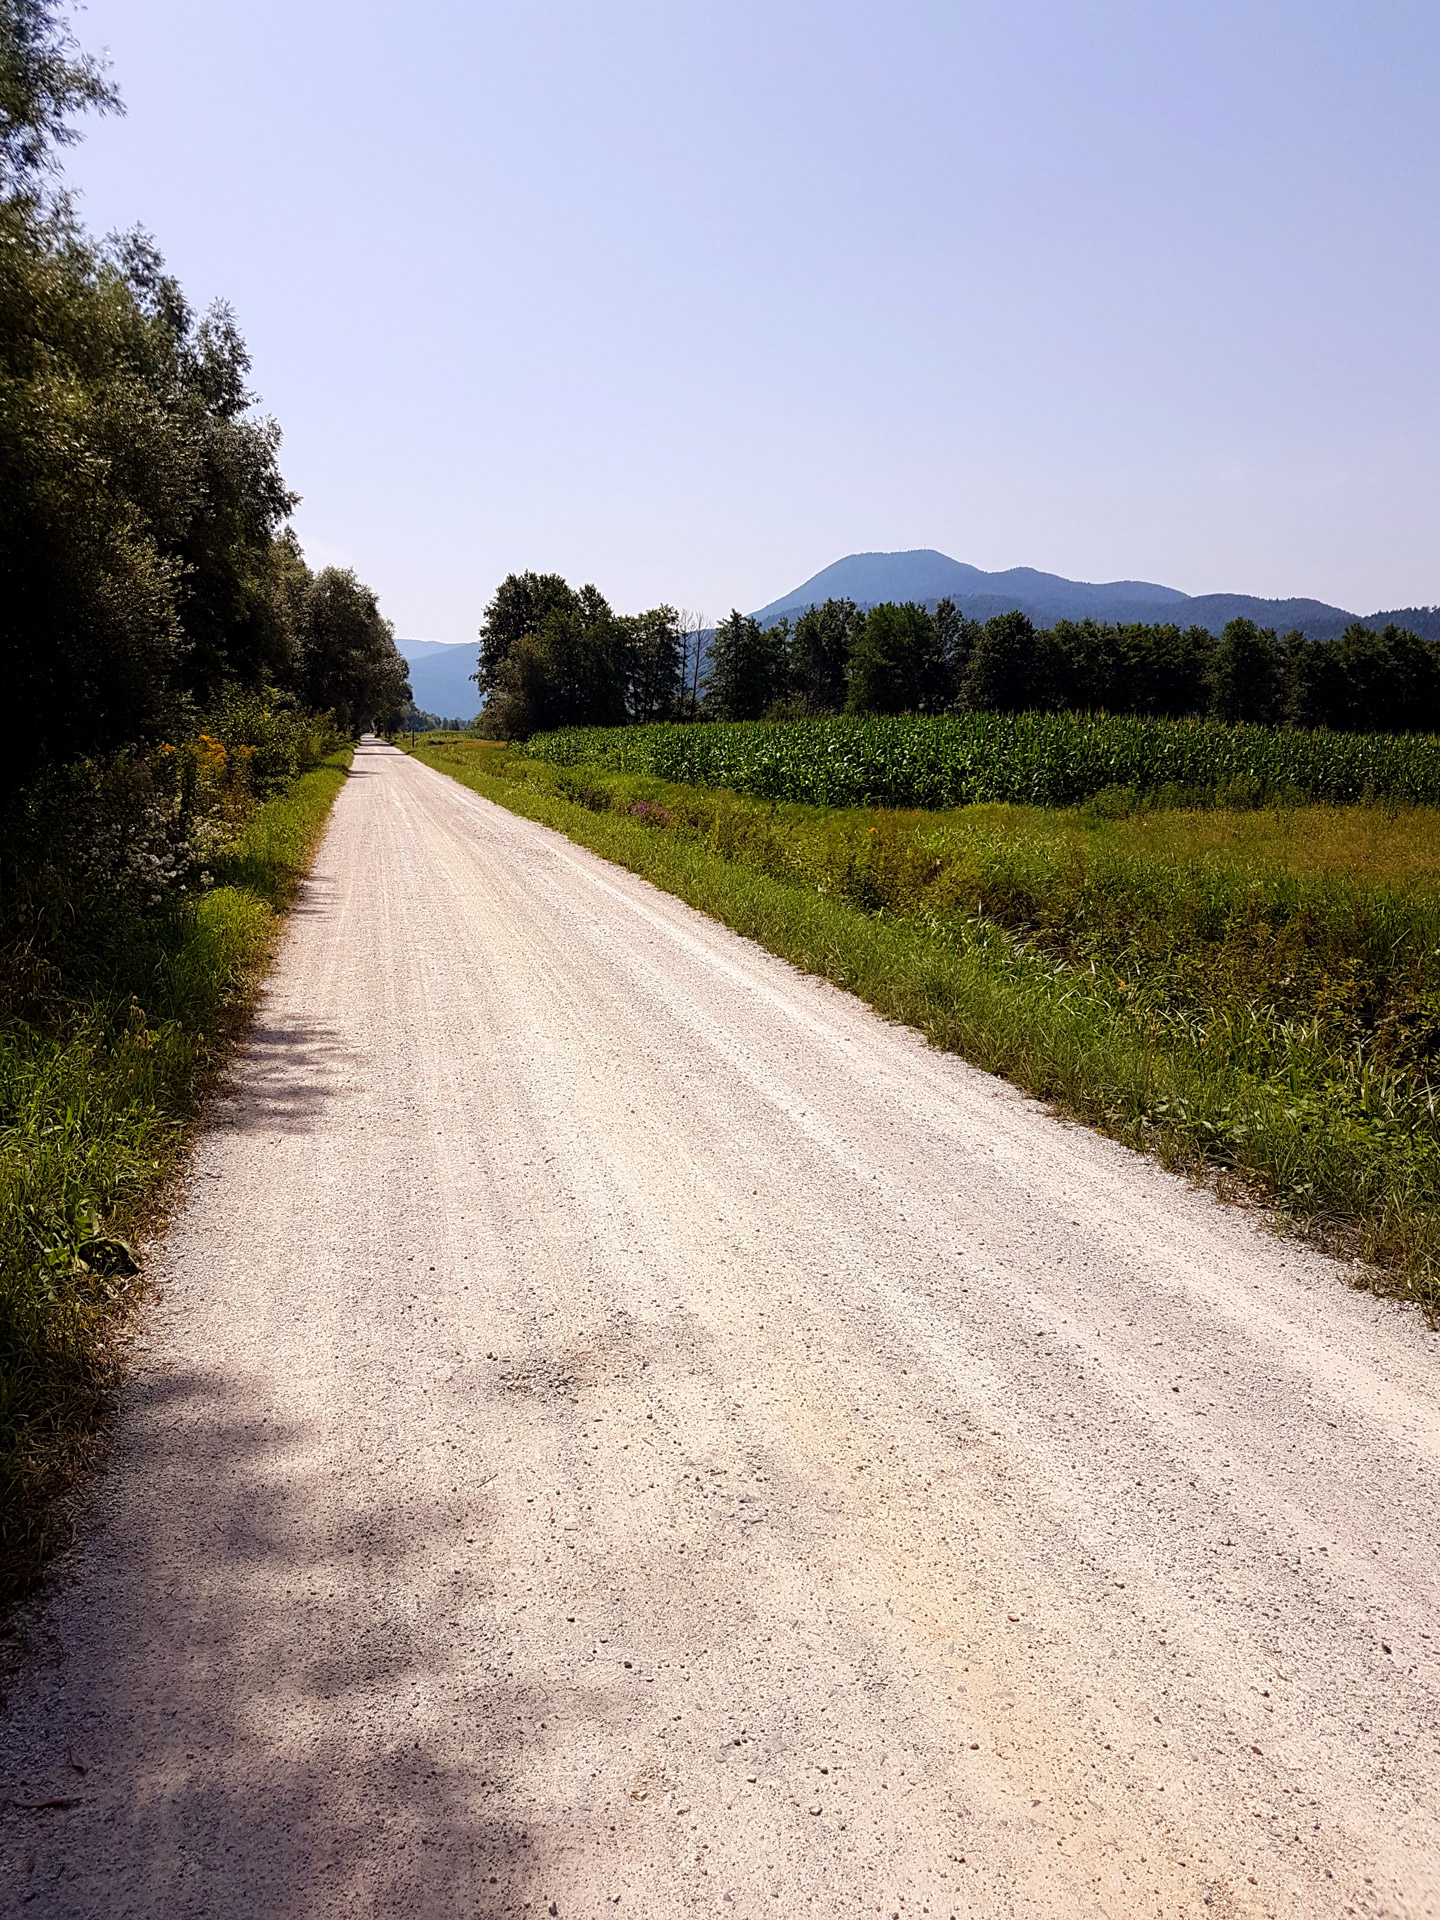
1245	674
900	661
352	668
654	663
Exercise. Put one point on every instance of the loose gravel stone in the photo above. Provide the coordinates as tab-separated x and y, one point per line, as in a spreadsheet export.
604	1346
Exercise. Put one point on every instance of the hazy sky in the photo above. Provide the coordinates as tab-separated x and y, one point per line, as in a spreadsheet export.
690	299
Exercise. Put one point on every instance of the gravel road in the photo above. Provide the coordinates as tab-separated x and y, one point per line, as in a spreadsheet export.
626	1431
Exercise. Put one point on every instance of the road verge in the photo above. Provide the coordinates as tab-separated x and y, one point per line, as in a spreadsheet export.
99	1105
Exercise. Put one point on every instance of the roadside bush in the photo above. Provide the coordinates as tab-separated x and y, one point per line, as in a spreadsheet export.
110	1029
93	855
281	739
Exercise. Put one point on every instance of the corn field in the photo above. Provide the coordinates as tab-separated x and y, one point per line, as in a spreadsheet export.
1031	759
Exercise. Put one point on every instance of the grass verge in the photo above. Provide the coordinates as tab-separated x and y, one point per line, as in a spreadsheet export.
95	1112
1254	997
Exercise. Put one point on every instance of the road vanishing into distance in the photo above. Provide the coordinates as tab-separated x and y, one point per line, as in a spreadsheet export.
626	1431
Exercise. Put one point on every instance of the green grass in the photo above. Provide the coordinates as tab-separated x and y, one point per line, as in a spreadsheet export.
1256	994
1026	758
95	1111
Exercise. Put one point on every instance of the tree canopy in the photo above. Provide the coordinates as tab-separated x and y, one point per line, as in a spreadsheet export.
552	655
44	81
897	663
747	670
145	560
350	665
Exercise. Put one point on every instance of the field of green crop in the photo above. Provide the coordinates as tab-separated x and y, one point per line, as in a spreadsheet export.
1052	760
1254	992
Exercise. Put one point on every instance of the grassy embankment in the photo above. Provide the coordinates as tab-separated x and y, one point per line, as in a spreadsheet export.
96	1109
1249	992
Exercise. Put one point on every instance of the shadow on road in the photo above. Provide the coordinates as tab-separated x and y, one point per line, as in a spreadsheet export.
286	1075
242	1758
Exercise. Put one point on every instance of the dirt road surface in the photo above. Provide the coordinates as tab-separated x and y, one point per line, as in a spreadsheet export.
628	1432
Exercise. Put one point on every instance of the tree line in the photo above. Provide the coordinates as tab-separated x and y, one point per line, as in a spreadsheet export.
552	656
146	564
838	658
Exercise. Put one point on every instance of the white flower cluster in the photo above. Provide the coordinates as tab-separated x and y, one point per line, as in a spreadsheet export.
143	852
125	837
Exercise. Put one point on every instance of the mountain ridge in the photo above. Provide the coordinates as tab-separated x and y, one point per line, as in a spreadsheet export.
927	575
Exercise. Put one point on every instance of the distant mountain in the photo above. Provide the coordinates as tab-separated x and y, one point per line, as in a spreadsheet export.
1424	621
927	576
440	676
422	649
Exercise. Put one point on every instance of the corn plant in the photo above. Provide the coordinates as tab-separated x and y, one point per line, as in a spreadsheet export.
1035	759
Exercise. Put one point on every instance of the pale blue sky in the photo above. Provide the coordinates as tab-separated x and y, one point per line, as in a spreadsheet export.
691	299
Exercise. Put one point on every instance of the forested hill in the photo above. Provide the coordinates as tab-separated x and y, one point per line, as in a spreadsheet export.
870	579
1424	621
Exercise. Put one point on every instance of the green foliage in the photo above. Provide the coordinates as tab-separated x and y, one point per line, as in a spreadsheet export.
44	79
1044	759
96	854
522	604
551	657
654	661
905	659
955	638
1007	668
351	666
95	1099
144	560
278	738
1162	672
568	669
140	505
896	664
1245	675
1387	681
413	719
747	670
820	649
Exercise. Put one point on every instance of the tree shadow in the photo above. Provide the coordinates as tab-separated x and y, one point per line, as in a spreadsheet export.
285	1074
250	1675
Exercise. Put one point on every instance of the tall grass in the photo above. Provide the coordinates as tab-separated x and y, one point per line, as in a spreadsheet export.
1040	759
95	1104
1256	994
